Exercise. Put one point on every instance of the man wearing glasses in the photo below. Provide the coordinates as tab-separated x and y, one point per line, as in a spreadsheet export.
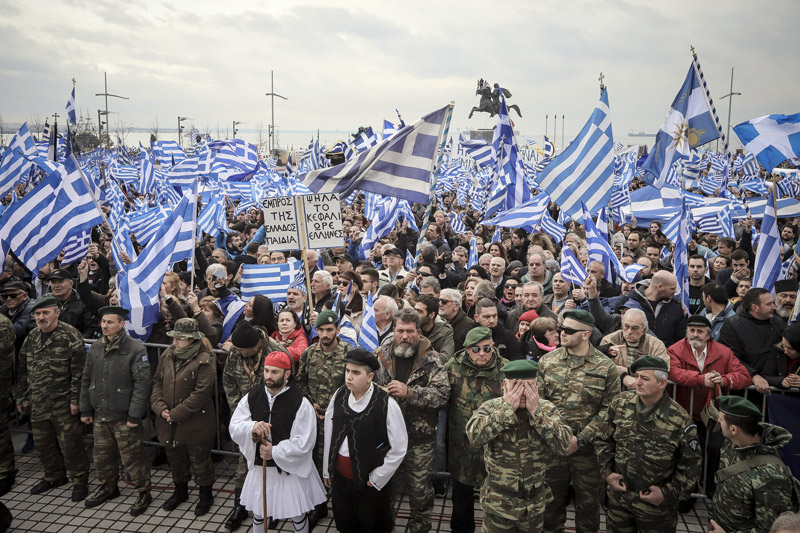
450	310
581	382
17	307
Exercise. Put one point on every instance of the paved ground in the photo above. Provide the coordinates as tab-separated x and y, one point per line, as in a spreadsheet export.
54	512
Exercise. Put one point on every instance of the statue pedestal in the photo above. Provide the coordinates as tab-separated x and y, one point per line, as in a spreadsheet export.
486	135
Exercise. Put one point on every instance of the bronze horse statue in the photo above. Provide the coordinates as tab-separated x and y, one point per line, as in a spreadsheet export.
490	99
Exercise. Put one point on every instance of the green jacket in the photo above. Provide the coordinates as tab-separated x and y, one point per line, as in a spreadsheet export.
514	444
116	381
320	374
49	377
470	386
661	449
751	500
7	340
243	373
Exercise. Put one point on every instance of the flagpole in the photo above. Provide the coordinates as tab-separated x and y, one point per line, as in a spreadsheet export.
444	132
194	231
298	206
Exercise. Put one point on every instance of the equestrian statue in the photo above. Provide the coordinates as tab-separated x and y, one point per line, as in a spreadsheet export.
490	99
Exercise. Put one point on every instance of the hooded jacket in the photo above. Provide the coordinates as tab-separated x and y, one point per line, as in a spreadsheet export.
751	339
666	320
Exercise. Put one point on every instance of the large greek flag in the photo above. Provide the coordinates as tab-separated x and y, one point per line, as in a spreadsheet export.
271	281
768	255
400	167
14	166
773	138
584	171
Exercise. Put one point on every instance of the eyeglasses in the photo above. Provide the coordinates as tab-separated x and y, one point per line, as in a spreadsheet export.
512	285
479	349
9	296
443	301
632	328
424	274
570	331
344	282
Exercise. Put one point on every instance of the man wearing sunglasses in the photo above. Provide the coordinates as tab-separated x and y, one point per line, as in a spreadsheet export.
581	382
17	307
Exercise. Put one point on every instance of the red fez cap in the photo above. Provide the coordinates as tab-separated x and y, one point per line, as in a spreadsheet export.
278	359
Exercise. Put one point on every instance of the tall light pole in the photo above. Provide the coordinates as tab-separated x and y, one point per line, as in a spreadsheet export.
180	128
730	96
562	132
236	123
272	94
106	94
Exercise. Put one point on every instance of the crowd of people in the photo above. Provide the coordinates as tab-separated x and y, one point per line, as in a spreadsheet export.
500	378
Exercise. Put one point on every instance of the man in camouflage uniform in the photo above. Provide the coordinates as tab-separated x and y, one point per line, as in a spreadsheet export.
415	376
475	377
115	396
319	376
8	470
753	484
514	431
244	369
50	365
648	453
581	382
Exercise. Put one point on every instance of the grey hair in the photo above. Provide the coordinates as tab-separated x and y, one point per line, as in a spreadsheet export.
535	284
389	303
212	268
633	313
484	289
325	276
661	375
430	281
485	255
452	295
787	522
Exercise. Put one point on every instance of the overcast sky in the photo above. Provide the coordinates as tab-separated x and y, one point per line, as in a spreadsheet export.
345	64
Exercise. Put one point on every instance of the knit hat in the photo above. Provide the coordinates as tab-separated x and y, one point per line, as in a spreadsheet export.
245	336
528	316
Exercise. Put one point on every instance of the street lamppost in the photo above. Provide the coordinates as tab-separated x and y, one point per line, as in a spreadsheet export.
106	94
180	128
236	123
730	96
272	94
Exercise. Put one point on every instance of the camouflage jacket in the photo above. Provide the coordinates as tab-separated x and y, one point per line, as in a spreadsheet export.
660	449
470	386
243	373
7	340
428	387
320	374
582	393
49	377
751	500
514	444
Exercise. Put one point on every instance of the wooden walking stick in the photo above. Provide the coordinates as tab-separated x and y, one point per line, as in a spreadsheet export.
264	490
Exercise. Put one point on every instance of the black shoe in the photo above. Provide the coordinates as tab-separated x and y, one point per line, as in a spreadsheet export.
28	447
205	502
44	485
6	483
101	495
141	504
273	524
319	512
237	516
80	492
686	506
439	488
180	495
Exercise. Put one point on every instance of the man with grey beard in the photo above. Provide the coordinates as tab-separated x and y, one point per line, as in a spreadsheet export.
785	297
415	376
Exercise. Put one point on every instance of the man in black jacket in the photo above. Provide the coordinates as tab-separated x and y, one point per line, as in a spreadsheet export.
665	317
504	340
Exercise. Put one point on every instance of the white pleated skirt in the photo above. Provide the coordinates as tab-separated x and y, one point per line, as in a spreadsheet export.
287	495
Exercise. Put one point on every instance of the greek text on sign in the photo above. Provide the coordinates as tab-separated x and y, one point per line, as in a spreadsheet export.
280	220
323	220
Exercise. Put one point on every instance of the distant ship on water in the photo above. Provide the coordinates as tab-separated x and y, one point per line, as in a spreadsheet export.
640	134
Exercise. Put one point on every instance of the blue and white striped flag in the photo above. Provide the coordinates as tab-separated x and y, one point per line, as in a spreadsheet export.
72	119
14	166
472	260
232	308
479	150
496	236
400	167
384	223
212	219
508	164
456	224
366	140
768	255
408	215
299	281
571	268
584	171
368	339
235	153
409	264
122	243
772	138
271	281
552	228
77	247
145	223
147	175
681	258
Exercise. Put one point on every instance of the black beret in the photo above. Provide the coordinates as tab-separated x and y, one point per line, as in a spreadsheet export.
649	362
697	320
363	357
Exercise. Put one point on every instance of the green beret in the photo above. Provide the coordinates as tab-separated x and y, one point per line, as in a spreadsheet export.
649	362
113	310
327	317
45	301
584	317
738	406
521	369
477	335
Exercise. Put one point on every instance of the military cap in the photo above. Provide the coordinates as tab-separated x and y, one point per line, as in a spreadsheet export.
15	286
45	301
60	273
697	320
477	335
279	360
113	310
521	369
186	328
584	317
327	317
363	357
738	406
346	257
786	285
649	362
245	336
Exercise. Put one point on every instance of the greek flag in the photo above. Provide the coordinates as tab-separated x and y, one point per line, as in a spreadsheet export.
551	227
389	129
571	268
400	167
168	153
368	340
232	308
382	224
599	249
234	153
147	175
270	280
456	224
768	255
70	108
682	256
212	219
77	247
408	215
508	164
750	165
122	243
479	150
140	283
689	123
522	216
14	166
366	140
472	260
145	224
584	171
409	264
772	138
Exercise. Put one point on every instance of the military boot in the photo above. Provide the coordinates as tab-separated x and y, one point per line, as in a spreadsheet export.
238	514
205	502
143	501
179	495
